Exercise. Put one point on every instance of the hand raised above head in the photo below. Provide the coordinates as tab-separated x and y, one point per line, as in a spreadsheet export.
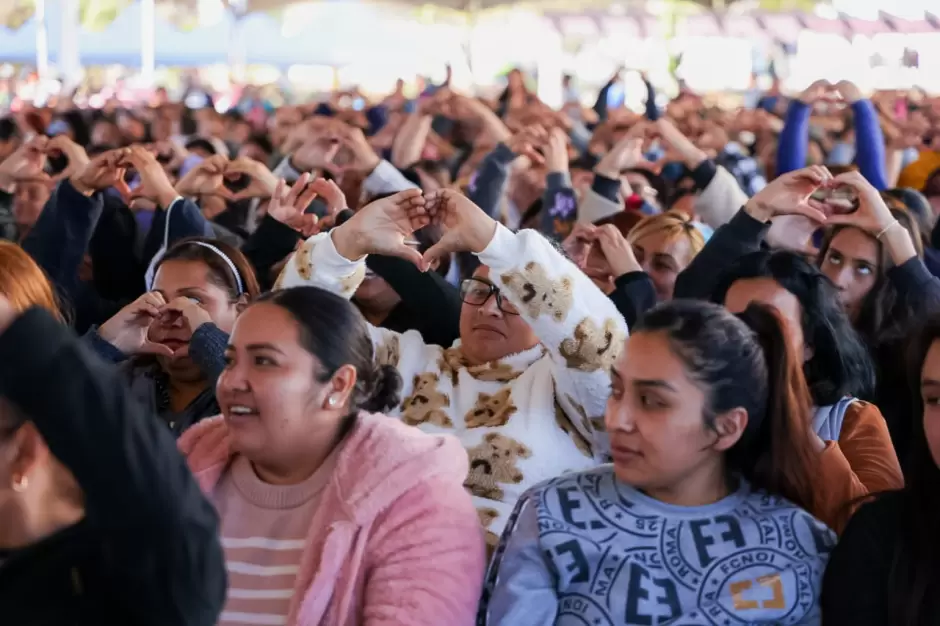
466	227
384	227
791	194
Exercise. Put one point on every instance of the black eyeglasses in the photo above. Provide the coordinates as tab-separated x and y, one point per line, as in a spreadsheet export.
476	292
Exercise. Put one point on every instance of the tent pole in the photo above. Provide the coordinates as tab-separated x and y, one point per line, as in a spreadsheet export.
42	41
147	43
69	61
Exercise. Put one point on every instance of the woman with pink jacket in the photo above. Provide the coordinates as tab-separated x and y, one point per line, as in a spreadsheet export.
330	515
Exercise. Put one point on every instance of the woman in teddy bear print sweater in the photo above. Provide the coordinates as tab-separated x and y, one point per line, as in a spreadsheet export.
525	387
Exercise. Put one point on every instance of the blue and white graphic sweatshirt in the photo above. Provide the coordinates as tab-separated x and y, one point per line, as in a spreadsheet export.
586	549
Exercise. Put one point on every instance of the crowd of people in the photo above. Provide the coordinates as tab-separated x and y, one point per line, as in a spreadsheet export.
457	361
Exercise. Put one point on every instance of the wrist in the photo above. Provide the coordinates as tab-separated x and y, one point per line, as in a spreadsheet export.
345	240
484	235
81	187
370	162
758	210
166	197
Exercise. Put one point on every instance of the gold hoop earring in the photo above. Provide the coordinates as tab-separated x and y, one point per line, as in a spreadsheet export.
21	483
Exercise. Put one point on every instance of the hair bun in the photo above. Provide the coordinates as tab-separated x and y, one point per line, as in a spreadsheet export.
385	390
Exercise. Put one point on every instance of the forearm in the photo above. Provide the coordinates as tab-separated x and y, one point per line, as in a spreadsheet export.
869	145
791	151
487	185
409	141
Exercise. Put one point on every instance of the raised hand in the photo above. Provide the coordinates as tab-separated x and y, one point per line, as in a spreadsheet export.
316	154
25	164
872	215
127	330
154	184
523	143
849	91
331	194
77	158
205	179
465	226
617	250
262	182
384	227
364	157
193	314
288	204
790	194
556	151
99	173
818	91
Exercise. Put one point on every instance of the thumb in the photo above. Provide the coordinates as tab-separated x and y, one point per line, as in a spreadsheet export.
157	349
435	253
409	254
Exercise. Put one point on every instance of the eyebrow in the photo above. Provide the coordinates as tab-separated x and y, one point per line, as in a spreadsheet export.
253	347
929	382
654	384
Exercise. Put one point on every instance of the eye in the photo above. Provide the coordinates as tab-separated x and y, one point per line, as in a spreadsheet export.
931	400
263	361
663	266
835	258
194	299
865	269
228	360
648	401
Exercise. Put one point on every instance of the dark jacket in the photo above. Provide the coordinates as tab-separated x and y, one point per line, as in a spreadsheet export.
147	551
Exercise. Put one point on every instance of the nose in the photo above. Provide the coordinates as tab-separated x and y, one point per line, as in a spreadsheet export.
618	418
490	308
842	279
233	378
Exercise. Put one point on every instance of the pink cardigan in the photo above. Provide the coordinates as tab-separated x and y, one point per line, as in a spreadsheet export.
396	538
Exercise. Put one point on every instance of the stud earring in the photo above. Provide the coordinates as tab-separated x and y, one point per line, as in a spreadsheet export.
21	483
332	401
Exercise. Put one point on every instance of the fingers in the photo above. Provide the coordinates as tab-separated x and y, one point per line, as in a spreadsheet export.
295	191
157	349
435	253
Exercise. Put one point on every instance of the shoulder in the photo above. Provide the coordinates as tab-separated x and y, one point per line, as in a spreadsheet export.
812	537
382	459
881	514
862	416
588	479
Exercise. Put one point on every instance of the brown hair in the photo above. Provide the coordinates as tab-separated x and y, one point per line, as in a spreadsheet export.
220	274
882	315
747	362
24	283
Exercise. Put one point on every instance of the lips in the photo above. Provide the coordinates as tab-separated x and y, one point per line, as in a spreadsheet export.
239	411
174	344
624	454
488	328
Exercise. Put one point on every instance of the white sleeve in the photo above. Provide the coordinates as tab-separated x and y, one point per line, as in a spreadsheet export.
575	321
385	178
317	263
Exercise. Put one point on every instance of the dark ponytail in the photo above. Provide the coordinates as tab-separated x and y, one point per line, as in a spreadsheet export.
780	455
747	362
334	331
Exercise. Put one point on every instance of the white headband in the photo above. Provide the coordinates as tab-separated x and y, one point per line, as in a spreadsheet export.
159	256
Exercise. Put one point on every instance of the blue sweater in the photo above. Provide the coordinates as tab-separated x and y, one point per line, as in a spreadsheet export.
869	142
586	549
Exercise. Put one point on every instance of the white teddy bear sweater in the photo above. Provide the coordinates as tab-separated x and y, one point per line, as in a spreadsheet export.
525	418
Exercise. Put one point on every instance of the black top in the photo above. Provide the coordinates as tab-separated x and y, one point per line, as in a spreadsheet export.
855	586
147	551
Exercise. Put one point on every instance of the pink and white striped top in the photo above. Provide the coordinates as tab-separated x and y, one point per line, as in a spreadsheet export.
264	530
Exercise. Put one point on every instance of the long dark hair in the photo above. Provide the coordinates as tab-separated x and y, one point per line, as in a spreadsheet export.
883	315
841	365
914	582
334	331
746	361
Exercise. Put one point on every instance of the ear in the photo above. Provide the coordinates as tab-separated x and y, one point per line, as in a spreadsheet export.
340	387
27	451
808	352
729	426
242	303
